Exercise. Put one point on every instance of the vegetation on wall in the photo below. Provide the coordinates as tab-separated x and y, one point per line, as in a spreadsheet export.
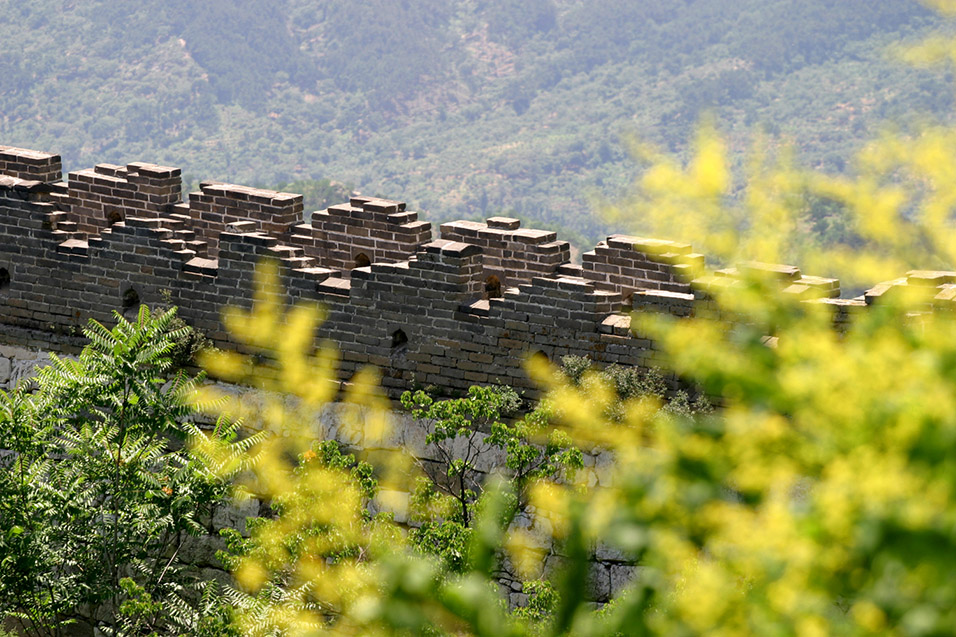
96	506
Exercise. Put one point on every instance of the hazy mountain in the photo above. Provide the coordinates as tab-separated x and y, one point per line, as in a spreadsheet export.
464	108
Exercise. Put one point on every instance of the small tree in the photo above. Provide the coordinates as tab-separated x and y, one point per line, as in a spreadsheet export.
471	430
99	495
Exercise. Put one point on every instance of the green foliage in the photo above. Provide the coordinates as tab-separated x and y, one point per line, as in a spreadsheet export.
542	600
282	563
96	499
329	453
447	119
317	194
628	382
514	22
463	418
242	47
456	509
634	384
318	540
188	342
370	64
446	539
467	430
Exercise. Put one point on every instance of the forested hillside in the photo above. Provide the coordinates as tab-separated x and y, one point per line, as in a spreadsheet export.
464	108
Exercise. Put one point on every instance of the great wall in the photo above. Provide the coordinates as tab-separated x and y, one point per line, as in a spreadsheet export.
466	308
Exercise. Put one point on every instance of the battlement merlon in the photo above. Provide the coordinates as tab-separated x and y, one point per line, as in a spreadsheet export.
627	265
512	255
30	165
216	205
440	273
365	230
96	198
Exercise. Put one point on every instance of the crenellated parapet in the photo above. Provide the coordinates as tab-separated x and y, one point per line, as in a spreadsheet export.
98	197
628	265
511	254
365	230
217	205
30	165
467	308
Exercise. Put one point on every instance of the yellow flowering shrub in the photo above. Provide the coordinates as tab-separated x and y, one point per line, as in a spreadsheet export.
817	499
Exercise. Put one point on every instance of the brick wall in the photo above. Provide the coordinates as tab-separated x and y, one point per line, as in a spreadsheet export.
98	197
511	254
364	230
216	205
420	309
29	165
629	264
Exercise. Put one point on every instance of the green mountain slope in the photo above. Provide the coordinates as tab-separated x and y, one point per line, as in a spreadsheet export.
463	108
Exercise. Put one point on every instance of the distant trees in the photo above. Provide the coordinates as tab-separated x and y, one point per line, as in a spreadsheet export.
514	22
786	35
242	46
386	49
262	92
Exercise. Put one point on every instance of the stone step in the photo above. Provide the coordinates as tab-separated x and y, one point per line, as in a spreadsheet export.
284	251
299	263
201	248
202	267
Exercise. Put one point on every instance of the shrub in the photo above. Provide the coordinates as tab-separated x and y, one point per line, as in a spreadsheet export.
96	502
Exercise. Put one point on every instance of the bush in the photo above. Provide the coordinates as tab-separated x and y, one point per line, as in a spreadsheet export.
96	502
817	500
